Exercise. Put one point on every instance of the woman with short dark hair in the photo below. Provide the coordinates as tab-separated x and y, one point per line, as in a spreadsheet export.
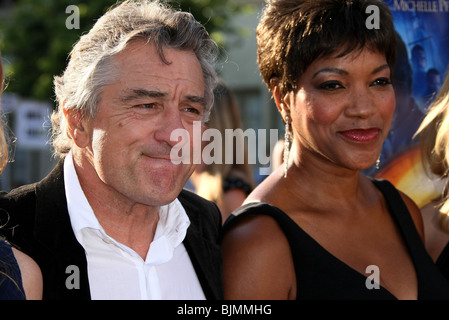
316	228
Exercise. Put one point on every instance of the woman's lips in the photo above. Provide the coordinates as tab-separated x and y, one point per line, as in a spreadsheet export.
361	135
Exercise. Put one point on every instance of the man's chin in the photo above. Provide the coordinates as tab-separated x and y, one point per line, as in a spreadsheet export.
163	196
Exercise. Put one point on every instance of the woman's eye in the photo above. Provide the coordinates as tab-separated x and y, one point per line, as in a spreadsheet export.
331	85
382	82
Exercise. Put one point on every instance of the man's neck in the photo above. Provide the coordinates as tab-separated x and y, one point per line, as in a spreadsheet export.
130	223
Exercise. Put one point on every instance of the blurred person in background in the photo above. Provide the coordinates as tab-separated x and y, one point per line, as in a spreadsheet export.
434	132
226	184
20	276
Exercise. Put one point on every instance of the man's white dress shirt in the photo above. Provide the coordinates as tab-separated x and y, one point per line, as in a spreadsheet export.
116	271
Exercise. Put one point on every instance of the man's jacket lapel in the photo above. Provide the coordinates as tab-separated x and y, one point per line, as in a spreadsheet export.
67	261
202	245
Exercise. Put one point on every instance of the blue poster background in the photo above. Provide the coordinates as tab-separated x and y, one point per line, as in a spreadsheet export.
422	60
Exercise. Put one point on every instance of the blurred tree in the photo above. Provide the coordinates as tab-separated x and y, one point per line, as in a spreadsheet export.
35	41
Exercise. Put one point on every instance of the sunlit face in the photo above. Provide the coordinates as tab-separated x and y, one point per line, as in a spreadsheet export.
343	108
130	136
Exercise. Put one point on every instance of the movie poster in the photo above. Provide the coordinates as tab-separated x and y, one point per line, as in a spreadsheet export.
422	61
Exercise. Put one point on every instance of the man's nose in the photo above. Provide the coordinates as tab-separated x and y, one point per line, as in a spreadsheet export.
170	121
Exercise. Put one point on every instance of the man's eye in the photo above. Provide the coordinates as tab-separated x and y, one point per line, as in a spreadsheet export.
192	110
146	105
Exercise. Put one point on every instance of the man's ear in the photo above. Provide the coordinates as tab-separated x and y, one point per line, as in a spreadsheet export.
77	127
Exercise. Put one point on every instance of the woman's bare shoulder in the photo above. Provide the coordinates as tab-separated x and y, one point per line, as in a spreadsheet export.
253	226
252	248
31	275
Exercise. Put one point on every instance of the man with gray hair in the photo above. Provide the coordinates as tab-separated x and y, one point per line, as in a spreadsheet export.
112	220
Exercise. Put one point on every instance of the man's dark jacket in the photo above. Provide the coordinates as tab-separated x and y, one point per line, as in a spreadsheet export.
36	220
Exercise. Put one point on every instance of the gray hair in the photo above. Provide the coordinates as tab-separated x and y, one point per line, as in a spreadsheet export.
90	68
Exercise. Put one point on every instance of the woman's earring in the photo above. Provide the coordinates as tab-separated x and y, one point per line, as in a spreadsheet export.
287	143
378	163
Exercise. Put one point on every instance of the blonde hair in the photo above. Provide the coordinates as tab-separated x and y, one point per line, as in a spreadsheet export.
224	115
3	145
90	67
434	132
